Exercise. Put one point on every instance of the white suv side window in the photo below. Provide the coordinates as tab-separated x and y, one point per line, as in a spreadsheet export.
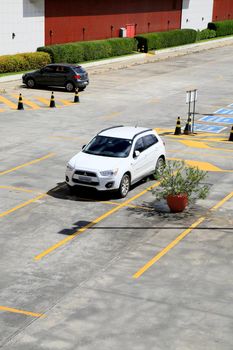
139	145
149	140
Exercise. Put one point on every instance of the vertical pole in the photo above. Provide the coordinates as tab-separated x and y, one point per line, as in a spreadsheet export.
189	104
194	104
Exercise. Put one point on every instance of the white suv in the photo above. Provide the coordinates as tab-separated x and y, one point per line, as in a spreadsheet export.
116	158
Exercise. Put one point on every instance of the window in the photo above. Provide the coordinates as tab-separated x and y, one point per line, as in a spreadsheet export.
79	70
49	70
109	147
139	146
149	140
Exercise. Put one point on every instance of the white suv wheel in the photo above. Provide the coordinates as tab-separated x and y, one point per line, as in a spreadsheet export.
124	186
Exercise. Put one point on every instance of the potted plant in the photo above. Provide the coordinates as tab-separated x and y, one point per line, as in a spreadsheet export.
180	184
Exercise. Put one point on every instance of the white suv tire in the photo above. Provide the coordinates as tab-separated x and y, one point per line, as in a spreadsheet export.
124	186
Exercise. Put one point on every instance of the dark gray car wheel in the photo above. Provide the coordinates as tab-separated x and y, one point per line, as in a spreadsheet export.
69	86
30	83
124	186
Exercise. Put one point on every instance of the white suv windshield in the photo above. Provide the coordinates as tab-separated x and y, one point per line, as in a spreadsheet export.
109	147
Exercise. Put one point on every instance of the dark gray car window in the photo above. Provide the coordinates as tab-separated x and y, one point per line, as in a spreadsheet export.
49	70
79	70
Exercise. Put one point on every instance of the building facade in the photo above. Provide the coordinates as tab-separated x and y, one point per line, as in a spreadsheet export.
22	24
196	14
28	24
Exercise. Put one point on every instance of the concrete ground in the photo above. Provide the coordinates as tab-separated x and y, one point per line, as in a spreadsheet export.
92	271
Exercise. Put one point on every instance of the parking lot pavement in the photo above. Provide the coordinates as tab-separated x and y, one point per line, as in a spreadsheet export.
88	270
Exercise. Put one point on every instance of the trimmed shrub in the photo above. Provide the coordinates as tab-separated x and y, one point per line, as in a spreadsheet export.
23	61
205	34
222	28
95	50
159	40
121	46
69	53
89	50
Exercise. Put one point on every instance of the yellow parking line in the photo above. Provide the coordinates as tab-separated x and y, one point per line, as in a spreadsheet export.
66	137
130	205
198	153
65	102
178	239
110	116
26	164
28	103
8	102
46	101
17	189
22	205
17	311
94	222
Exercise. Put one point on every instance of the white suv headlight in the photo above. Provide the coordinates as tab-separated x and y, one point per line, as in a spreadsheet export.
69	166
109	172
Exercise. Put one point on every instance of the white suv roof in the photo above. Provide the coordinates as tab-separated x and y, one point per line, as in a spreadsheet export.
123	132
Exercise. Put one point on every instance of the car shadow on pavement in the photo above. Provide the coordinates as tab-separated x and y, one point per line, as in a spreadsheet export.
61	191
46	88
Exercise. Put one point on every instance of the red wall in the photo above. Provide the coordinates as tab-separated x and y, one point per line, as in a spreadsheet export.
76	20
223	9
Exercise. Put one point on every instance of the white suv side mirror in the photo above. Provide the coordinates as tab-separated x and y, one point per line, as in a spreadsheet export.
136	153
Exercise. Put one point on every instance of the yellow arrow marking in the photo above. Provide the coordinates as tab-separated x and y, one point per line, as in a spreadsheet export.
201	165
198	144
194	144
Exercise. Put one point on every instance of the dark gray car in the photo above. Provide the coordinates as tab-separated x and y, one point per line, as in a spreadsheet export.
68	75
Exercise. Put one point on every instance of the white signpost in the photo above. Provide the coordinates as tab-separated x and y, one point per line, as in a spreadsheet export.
191	97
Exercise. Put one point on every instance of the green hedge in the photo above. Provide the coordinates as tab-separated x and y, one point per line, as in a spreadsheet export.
159	40
23	61
222	28
89	50
206	34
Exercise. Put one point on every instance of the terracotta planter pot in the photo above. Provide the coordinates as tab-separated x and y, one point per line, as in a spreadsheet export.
177	202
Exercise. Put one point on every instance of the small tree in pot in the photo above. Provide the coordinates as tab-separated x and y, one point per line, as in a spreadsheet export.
180	184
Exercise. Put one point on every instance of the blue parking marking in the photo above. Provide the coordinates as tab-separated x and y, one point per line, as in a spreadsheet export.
209	128
224	111
213	119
